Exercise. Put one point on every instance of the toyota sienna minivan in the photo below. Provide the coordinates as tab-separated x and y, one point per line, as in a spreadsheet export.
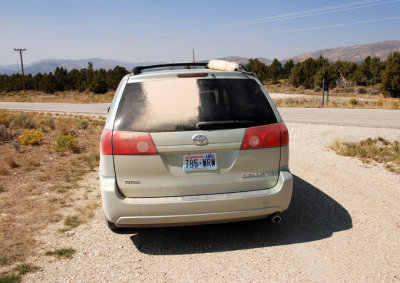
193	146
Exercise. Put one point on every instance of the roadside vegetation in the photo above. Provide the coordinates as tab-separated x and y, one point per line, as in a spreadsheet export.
62	253
86	79
376	79
17	272
371	75
372	151
339	102
57	97
43	157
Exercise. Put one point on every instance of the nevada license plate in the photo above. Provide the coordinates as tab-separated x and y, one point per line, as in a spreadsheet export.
200	161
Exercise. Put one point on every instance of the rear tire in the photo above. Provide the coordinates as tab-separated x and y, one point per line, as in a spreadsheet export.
111	225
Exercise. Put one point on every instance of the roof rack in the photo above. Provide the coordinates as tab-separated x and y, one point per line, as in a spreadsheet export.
138	69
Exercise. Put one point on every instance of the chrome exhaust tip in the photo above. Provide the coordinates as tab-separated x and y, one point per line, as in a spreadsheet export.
276	218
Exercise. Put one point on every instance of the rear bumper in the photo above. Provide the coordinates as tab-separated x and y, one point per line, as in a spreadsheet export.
189	210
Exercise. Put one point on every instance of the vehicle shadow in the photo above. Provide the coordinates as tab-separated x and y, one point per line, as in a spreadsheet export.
312	215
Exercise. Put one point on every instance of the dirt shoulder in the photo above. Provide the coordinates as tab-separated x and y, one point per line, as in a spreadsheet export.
42	158
343	225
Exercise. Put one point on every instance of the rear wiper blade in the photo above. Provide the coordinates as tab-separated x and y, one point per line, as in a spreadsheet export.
222	124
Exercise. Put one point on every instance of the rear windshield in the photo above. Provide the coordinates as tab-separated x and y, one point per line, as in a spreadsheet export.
192	104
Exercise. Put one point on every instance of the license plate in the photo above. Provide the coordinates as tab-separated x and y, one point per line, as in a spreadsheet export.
200	161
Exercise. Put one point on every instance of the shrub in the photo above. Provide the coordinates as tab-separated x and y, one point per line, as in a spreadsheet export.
378	150
354	101
96	123
317	88
10	278
4	171
31	137
5	119
72	221
25	268
67	142
379	102
373	91
9	158
63	128
4	133
50	123
362	90
83	124
395	104
24	121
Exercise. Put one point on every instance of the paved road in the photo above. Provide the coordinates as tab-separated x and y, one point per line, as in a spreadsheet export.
375	118
81	108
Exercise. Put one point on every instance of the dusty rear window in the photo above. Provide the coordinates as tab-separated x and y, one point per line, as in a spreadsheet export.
191	104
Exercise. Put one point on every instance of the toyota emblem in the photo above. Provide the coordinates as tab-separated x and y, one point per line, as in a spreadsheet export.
200	140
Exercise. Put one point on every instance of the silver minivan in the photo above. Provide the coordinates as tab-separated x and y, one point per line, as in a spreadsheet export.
193	146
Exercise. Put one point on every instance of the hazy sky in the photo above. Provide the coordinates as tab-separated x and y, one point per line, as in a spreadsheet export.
167	30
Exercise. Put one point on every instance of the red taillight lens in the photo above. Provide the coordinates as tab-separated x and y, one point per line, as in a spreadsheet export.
105	142
284	133
265	136
128	143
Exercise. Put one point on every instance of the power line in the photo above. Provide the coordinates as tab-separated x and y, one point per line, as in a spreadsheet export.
312	12
326	27
20	50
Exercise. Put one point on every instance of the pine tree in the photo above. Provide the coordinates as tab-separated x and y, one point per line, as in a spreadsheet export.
274	71
257	67
391	74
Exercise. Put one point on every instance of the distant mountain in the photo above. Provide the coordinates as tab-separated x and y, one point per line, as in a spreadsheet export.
49	65
356	53
243	60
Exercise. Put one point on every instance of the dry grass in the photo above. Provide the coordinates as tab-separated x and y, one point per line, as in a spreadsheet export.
283	86
62	253
17	272
372	150
339	102
352	97
60	97
37	182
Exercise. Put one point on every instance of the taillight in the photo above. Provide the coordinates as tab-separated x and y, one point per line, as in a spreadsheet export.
265	136
128	143
284	133
105	141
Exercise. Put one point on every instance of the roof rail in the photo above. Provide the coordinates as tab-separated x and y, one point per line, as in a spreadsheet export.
138	69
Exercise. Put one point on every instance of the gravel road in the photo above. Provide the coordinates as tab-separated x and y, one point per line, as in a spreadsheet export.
343	225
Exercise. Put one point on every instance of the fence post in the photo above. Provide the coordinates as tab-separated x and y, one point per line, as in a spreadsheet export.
327	95
323	91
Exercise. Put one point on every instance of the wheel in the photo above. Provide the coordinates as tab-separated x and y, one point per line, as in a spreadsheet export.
111	225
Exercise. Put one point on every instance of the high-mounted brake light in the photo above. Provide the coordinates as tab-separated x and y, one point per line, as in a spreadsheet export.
106	142
194	75
265	136
128	143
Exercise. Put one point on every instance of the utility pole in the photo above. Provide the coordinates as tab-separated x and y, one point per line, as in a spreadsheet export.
20	50
193	59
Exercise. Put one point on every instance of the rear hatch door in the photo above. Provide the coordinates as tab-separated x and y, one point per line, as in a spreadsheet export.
197	128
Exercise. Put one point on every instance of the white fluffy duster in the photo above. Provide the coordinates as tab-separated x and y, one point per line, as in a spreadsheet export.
222	65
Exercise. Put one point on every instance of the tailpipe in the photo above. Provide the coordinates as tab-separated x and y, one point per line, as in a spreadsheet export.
276	218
